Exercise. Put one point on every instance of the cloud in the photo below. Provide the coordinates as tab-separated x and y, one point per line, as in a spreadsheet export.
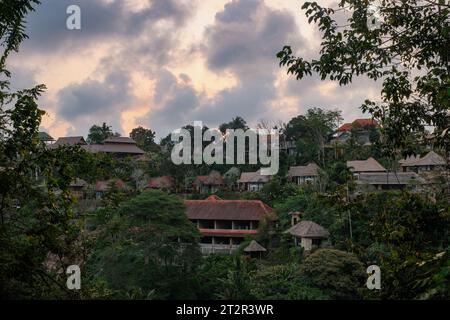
101	21
243	40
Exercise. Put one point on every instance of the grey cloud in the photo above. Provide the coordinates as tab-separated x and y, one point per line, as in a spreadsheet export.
100	21
93	97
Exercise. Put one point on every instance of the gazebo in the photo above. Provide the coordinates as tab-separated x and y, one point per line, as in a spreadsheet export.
254	248
308	234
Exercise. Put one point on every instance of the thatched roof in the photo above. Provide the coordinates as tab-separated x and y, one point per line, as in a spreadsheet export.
215	208
369	165
44	136
391	178
308	229
253	177
430	159
311	169
118	145
254	247
69	141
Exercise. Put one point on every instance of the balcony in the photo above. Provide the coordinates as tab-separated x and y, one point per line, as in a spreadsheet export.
207	248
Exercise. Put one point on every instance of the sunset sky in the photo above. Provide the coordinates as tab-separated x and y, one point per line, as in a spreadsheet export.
163	64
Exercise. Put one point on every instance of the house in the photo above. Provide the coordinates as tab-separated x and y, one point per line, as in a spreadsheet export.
365	166
391	180
252	181
223	224
359	129
164	183
119	146
304	174
45	138
429	162
210	183
78	188
101	187
69	141
308	234
357	123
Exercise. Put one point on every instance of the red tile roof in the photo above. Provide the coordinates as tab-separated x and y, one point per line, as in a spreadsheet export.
104	185
214	178
361	122
160	182
214	208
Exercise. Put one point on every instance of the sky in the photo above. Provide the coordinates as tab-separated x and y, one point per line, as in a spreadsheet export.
163	64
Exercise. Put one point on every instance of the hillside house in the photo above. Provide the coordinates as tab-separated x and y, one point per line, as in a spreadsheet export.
308	234
224	224
365	166
304	174
252	181
162	183
211	183
429	162
389	181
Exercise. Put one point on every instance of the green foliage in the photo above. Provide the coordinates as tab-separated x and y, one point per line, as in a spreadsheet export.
339	274
311	132
235	284
408	53
98	134
282	282
37	233
148	244
145	139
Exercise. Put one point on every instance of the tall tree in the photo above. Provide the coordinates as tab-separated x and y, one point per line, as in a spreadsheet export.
98	134
409	51
145	138
35	213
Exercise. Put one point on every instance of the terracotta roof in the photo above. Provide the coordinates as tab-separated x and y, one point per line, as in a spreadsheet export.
255	177
214	178
254	247
311	169
391	178
430	159
369	165
308	229
160	182
361	122
214	208
104	185
69	141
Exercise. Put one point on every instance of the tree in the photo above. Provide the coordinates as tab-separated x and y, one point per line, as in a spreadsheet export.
409	52
337	273
98	134
147	244
145	138
282	282
311	132
36	220
236	123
